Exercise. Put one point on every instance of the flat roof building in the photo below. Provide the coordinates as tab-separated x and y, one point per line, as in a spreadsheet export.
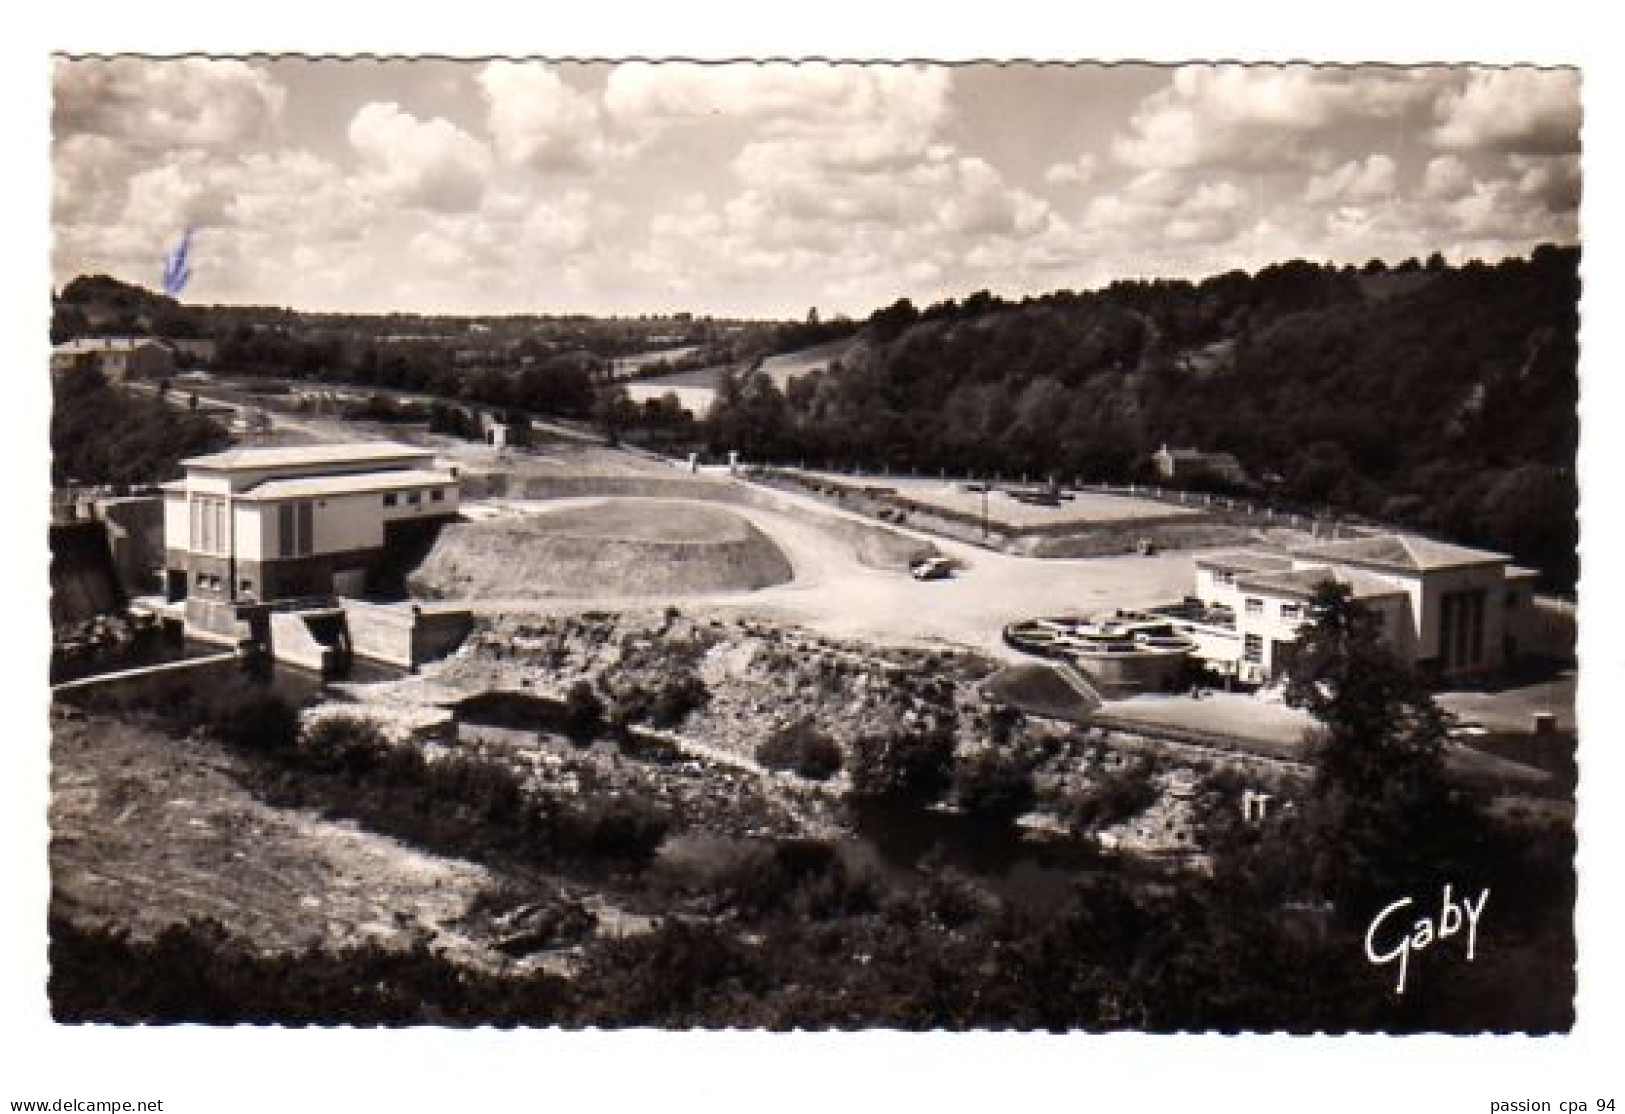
1450	608
262	524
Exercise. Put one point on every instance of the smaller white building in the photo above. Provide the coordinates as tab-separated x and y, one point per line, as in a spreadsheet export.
1452	609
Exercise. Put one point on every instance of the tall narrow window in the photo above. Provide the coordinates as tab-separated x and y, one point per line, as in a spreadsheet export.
284	530
306	528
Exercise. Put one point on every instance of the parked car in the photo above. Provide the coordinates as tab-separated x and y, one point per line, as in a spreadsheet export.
931	568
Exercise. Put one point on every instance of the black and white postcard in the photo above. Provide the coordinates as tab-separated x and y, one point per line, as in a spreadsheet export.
814	547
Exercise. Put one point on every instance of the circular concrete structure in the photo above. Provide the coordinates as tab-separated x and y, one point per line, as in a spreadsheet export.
1136	654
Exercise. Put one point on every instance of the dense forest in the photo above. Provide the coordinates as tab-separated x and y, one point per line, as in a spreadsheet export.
1443	399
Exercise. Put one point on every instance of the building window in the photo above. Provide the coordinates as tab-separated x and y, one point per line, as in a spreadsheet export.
391	499
437	496
1255	606
209	525
295	528
1291	611
1224	577
415	498
1253	648
1461	628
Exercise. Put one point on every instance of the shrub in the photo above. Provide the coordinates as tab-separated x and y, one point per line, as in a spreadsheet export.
803	748
583	713
1117	796
345	744
995	784
615	827
912	765
243	715
678	697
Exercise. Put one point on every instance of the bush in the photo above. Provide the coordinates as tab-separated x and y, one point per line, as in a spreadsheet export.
802	748
678	697
242	715
344	744
912	765
1115	797
583	713
995	784
615	828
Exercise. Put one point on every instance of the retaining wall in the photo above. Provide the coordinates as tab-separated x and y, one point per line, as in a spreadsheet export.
404	635
293	643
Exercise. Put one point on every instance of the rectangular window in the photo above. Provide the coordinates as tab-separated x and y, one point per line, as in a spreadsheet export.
284	530
391	499
437	496
1255	606
210	532
1223	577
1291	611
306	527
1253	648
415	498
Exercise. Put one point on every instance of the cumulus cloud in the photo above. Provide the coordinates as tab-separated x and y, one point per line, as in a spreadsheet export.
1355	180
1521	110
146	105
537	119
1552	179
1077	172
432	164
1162	205
753	187
788	97
1233	115
1446	177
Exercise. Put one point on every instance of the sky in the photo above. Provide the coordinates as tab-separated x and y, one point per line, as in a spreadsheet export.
765	190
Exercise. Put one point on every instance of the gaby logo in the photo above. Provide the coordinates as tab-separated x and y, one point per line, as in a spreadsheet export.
178	266
1398	943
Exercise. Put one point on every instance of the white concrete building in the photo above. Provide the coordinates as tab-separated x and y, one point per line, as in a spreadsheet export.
1446	607
259	524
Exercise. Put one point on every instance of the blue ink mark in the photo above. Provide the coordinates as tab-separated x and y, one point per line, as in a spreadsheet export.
177	268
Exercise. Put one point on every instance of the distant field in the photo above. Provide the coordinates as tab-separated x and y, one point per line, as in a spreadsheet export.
627	364
781	369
